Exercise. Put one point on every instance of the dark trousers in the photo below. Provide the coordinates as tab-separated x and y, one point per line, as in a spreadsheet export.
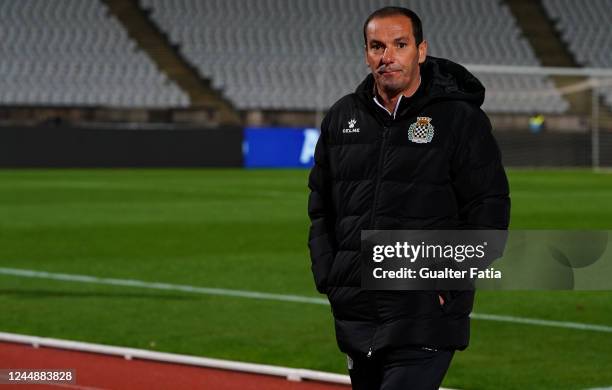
405	369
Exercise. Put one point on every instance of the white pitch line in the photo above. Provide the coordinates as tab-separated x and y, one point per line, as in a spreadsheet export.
540	322
161	286
271	296
600	388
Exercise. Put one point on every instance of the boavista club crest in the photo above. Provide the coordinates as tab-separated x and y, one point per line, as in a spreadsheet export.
421	131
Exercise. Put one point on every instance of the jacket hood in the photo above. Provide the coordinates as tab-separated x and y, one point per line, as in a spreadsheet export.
441	79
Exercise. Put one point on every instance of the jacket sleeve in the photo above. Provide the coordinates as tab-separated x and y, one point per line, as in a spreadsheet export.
479	180
321	240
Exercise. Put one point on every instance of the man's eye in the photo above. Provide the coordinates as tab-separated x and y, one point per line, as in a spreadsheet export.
402	45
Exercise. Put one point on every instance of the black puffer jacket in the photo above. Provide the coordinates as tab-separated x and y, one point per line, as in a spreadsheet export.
369	175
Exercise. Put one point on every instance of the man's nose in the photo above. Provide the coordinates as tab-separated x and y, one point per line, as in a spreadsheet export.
388	55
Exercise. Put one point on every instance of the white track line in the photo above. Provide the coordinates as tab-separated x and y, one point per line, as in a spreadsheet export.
289	373
76	387
270	296
292	374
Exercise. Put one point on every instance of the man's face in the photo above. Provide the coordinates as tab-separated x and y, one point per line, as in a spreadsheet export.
392	54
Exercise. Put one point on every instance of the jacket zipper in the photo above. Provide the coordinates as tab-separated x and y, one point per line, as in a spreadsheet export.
381	158
378	175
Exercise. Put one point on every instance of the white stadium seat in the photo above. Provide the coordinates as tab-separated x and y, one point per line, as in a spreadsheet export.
73	52
279	54
585	28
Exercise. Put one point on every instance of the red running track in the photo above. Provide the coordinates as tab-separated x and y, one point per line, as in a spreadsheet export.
97	372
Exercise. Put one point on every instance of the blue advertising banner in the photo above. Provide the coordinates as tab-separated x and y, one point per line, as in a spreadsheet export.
279	147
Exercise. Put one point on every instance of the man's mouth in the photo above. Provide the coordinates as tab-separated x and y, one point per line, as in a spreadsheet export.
388	72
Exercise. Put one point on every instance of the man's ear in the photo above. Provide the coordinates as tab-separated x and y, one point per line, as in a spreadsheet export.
422	48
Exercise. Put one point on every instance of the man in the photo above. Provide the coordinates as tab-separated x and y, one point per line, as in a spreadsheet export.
410	149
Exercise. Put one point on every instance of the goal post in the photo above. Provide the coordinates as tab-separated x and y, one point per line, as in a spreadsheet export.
575	102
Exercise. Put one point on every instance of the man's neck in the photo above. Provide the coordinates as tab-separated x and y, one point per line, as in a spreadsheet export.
389	98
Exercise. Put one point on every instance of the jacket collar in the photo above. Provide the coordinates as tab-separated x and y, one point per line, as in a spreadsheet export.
441	79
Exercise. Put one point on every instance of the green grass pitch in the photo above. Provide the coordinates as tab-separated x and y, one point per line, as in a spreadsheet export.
240	229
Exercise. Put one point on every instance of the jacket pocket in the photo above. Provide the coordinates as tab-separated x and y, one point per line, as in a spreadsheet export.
460	302
446	296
